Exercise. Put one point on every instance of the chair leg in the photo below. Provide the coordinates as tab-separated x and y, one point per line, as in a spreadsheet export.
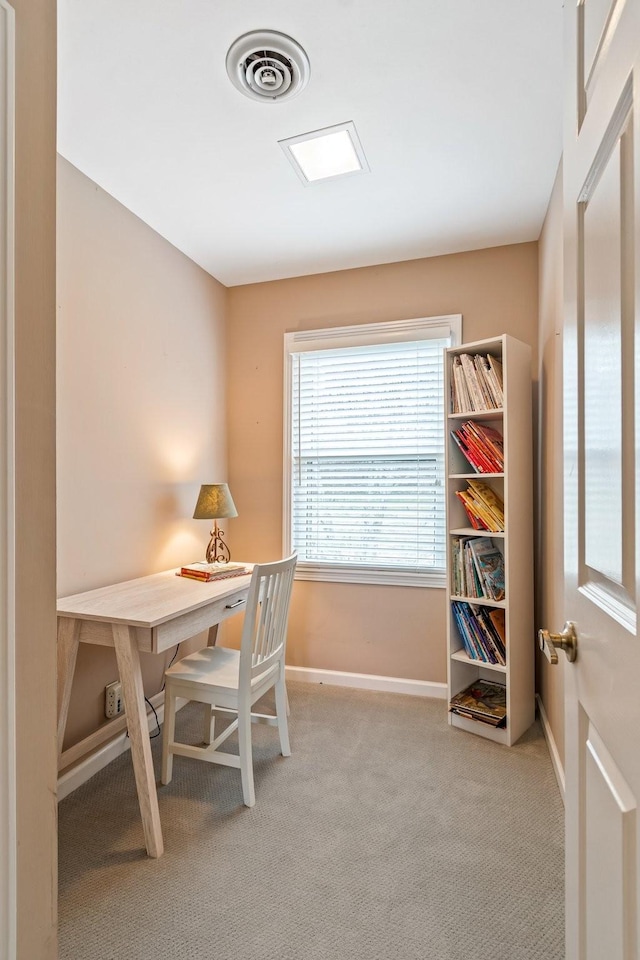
208	723
246	754
282	709
168	734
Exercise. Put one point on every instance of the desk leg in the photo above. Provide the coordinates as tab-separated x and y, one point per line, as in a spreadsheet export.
208	716
68	642
128	657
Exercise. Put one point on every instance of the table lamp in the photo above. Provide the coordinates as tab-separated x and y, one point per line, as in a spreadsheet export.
214	503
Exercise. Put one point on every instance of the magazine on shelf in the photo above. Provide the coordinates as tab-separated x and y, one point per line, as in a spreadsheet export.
483	700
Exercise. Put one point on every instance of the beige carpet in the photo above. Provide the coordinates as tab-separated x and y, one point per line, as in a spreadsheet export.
385	836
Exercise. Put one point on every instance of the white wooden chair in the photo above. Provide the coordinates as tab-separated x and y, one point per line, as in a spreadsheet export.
234	679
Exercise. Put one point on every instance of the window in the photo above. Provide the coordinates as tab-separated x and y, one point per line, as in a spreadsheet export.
364	451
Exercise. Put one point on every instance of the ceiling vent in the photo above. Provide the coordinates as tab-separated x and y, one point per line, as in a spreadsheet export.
268	66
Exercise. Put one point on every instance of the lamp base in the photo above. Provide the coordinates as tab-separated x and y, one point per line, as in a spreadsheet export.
217	550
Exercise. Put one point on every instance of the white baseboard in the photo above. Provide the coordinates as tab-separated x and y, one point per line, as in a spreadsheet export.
368	681
556	763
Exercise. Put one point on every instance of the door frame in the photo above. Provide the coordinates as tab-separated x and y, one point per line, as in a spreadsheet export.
8	895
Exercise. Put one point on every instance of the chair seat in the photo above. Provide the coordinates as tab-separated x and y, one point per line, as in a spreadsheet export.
214	666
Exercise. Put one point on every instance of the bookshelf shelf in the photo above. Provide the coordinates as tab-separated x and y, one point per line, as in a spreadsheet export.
474	476
511	492
496	413
482	601
462	657
472	532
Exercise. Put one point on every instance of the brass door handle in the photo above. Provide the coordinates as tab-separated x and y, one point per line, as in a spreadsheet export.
550	643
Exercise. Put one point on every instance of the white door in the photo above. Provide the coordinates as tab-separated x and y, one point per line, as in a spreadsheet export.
602	504
7	699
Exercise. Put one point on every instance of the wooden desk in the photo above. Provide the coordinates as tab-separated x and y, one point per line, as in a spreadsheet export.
149	615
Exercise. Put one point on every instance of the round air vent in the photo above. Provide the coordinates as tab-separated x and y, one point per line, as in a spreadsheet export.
267	66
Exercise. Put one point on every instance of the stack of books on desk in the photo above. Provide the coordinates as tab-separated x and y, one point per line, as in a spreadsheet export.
201	570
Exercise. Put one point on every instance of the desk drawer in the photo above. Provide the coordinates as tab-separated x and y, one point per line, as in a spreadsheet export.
181	628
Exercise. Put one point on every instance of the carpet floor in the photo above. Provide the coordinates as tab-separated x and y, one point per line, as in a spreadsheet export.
387	835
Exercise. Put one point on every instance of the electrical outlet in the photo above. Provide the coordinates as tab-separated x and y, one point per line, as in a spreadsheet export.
113	702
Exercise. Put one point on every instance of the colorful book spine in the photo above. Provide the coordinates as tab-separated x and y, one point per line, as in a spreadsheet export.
477	633
481	515
486	442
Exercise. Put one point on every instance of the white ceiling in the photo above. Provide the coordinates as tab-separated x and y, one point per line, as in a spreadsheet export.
457	104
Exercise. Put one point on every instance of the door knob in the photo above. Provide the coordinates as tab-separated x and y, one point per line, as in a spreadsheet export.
550	643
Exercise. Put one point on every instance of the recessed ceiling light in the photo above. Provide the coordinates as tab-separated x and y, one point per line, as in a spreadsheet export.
322	154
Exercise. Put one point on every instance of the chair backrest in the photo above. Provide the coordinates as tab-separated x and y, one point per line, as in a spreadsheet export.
264	634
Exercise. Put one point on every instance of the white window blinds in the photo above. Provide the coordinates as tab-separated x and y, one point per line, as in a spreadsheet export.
366	483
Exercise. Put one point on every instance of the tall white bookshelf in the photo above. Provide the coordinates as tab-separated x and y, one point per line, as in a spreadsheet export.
515	487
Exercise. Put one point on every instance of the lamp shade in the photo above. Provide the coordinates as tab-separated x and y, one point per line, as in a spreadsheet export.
214	502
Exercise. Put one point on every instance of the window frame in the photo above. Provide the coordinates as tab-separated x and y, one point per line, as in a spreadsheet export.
300	341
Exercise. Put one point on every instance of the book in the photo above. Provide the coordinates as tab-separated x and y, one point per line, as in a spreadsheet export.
481	364
465	579
489	563
495	373
497	618
461	399
471	633
473	648
471	377
479	636
492	572
476	383
483	507
483	700
473	457
474	517
490	637
485	443
488	500
206	572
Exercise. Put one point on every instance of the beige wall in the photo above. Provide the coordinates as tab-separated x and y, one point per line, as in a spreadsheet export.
391	631
550	568
141	411
35	478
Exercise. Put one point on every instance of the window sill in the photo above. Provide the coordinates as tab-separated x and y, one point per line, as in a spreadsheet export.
382	576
